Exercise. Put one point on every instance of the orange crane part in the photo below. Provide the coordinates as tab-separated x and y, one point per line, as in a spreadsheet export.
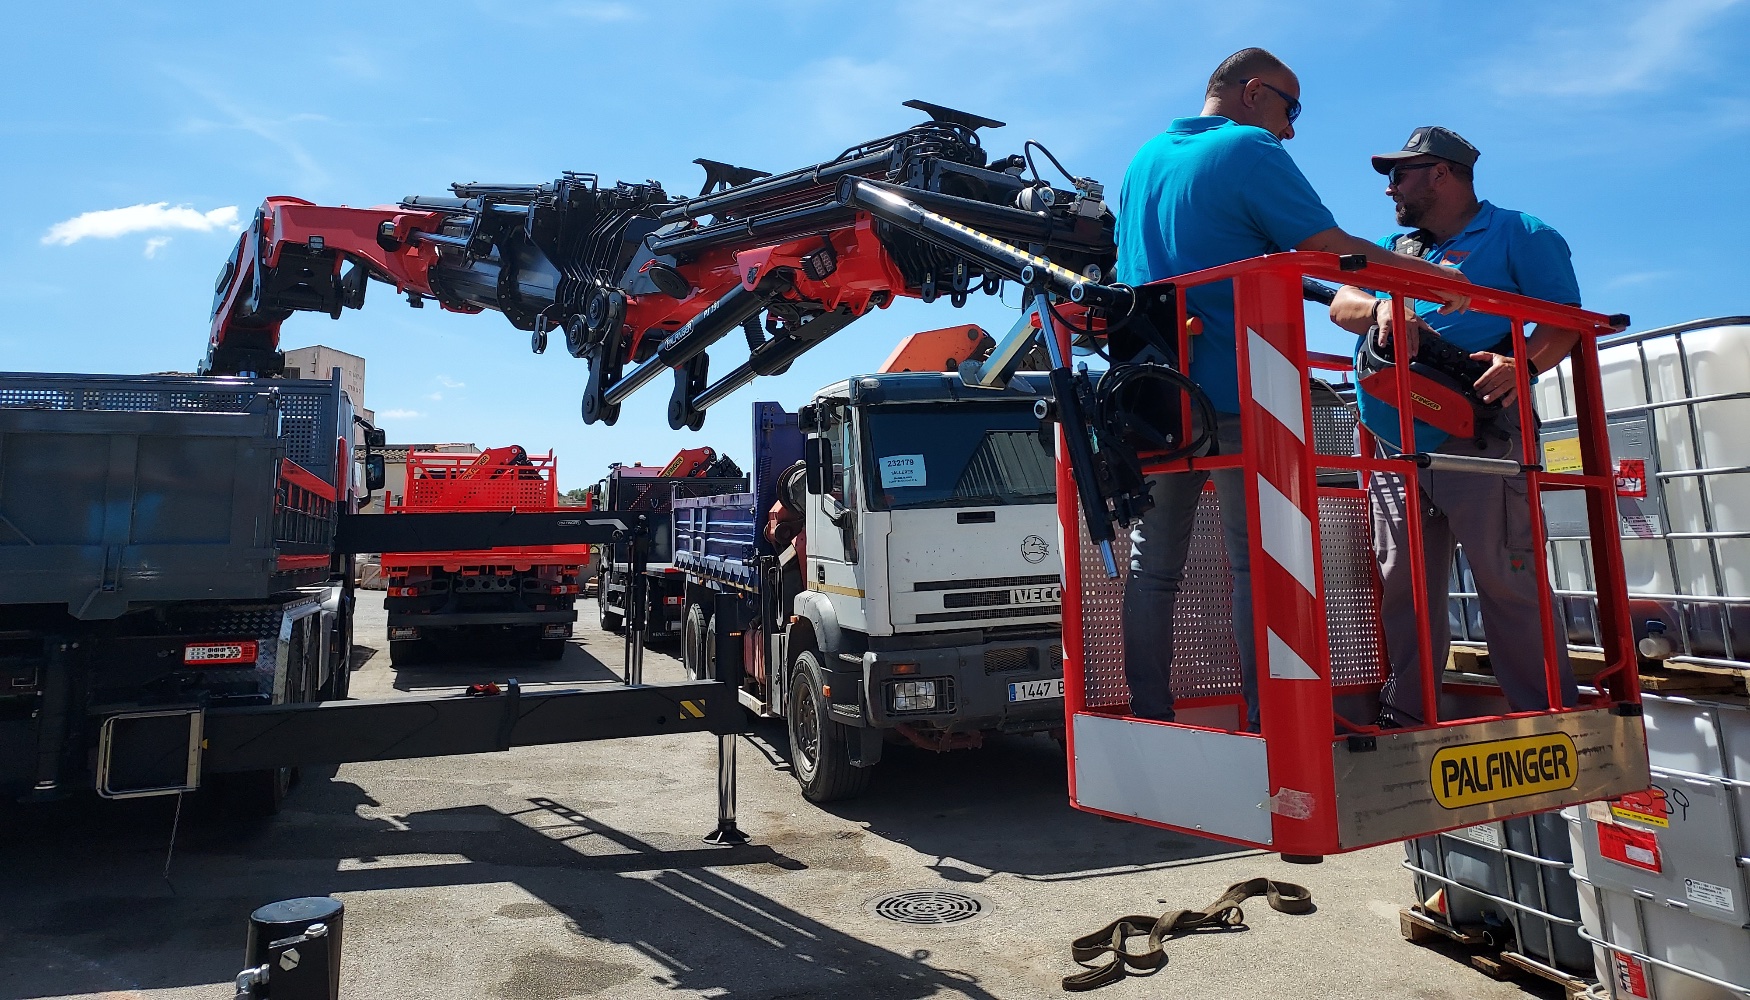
940	350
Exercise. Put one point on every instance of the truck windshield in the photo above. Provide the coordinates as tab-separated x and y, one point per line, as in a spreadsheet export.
956	455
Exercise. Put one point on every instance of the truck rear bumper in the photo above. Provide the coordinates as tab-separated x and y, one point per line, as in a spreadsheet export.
971	686
462	619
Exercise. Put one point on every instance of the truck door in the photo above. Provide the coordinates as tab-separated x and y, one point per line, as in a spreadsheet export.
833	566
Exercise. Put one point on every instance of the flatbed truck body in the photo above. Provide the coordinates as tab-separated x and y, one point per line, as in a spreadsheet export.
517	598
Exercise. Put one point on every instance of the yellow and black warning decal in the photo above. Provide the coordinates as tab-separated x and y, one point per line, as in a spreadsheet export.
1476	773
692	709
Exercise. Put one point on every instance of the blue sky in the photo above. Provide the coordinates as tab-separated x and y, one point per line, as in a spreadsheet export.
1624	125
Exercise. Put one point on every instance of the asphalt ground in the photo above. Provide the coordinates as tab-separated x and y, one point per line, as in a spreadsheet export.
579	871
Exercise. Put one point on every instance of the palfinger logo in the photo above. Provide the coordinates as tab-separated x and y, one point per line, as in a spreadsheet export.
1476	773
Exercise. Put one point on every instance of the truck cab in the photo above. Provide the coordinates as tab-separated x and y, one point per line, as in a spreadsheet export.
919	601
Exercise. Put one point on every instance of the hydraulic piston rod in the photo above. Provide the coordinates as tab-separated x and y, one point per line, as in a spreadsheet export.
699	333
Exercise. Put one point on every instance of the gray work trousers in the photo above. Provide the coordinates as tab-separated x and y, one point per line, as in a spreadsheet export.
1491	516
1160	541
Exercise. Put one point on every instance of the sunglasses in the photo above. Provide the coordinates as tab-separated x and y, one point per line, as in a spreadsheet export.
1293	103
1397	173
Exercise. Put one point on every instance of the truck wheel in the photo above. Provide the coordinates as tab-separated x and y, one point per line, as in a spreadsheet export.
550	649
818	752
405	652
693	655
610	621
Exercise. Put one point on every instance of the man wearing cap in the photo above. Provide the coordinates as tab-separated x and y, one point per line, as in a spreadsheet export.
1212	190
1430	180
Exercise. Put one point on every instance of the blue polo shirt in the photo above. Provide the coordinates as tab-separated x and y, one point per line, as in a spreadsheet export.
1207	192
1501	249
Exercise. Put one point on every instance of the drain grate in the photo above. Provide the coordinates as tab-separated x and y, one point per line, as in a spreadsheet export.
928	906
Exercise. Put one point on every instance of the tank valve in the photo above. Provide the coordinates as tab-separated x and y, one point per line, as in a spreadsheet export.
1656	646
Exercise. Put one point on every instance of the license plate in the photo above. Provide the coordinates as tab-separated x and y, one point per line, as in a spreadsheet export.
1036	690
1035	595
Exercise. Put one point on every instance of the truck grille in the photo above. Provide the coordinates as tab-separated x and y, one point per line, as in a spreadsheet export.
976	599
989	581
997	661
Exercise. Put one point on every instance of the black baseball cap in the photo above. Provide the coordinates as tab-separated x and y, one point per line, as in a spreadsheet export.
1430	140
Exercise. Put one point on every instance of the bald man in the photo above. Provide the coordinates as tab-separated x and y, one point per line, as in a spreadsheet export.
1212	190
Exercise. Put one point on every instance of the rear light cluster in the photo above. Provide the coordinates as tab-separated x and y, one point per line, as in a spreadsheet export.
671	600
203	654
563	588
403	591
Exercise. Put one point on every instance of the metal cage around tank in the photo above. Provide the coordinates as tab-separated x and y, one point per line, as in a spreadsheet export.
1321	777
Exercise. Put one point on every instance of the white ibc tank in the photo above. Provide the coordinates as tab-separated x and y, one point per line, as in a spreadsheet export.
1685	368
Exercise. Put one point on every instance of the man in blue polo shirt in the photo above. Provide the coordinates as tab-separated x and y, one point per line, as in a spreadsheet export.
1431	181
1212	190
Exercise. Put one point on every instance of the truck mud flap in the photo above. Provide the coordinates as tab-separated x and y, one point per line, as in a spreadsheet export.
339	732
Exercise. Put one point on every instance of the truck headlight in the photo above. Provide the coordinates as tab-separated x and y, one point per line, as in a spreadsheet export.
911	696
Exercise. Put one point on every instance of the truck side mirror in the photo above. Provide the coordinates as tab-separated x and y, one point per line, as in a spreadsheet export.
376	474
376	437
816	459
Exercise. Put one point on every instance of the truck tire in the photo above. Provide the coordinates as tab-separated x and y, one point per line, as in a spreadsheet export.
405	652
340	659
693	655
253	794
819	755
610	621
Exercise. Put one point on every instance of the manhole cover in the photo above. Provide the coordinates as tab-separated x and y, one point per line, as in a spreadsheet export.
928	906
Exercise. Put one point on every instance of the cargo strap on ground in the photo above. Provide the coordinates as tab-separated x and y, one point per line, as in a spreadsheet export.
1223	914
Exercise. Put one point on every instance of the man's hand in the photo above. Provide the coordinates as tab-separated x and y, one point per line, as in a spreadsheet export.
1499	382
1412	338
1453	302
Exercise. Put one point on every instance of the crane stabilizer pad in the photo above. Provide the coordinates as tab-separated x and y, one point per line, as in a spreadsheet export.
340	732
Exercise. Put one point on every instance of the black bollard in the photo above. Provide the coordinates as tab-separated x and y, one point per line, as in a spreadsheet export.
291	918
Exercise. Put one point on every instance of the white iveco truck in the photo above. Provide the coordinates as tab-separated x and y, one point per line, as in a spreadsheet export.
893	575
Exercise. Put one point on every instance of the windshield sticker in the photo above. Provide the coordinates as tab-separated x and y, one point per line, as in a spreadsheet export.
902	470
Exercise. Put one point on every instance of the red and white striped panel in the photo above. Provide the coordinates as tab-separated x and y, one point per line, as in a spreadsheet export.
1288	581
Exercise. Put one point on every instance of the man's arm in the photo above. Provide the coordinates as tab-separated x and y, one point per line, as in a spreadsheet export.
1546	347
1356	309
1335	240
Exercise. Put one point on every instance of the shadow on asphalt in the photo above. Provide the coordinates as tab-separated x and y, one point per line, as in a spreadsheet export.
1003	807
706	931
473	663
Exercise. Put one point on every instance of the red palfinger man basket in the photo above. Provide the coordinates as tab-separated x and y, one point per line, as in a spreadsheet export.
1316	780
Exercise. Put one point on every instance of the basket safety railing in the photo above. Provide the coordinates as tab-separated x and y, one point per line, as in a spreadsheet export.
1321	777
449	482
445	481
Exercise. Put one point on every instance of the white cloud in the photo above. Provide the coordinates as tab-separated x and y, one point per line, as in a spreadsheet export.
272	130
450	383
435	397
156	217
400	414
1649	48
1638	278
156	244
606	13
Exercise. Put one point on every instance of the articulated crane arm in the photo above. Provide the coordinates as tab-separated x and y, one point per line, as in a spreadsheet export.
638	283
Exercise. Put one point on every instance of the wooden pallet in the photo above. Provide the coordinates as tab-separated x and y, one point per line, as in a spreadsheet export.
1664	677
1474	948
